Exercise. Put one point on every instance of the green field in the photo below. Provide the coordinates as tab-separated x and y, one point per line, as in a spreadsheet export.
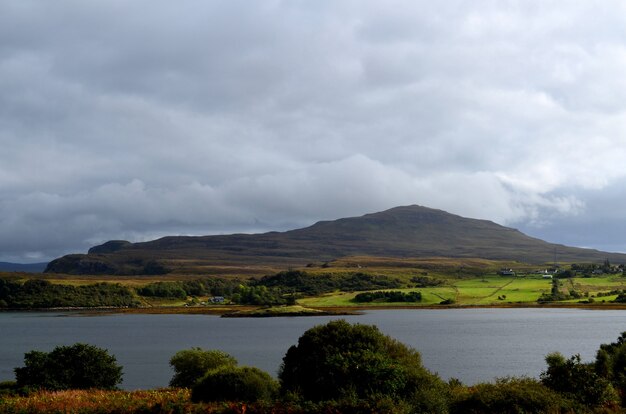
484	291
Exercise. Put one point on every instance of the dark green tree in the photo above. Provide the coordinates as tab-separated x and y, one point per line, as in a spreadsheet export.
192	364
577	381
340	361
79	366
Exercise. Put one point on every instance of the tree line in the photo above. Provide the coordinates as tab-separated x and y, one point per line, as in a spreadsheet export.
36	293
280	289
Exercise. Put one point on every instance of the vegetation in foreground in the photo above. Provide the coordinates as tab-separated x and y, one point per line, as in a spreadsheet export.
334	368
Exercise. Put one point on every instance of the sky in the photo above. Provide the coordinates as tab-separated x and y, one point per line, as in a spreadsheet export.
136	120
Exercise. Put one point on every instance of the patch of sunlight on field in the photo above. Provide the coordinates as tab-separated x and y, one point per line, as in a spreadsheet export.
430	296
487	290
522	290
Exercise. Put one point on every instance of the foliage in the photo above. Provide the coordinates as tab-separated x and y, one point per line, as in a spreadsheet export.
8	388
230	383
611	364
261	295
425	281
163	290
508	396
79	366
302	282
198	287
37	293
364	281
213	286
555	293
577	381
388	296
191	364
339	361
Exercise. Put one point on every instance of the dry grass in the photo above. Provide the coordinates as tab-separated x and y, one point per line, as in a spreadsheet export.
97	401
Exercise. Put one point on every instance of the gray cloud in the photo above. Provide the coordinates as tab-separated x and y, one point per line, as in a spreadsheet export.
136	120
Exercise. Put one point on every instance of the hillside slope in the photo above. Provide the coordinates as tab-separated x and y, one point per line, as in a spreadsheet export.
410	231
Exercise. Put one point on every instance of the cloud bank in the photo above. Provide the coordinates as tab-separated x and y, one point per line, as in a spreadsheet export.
136	120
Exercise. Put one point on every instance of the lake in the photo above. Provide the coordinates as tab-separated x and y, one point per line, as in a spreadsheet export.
472	345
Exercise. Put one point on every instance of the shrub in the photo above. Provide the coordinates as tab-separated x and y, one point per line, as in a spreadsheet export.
339	361
611	364
577	381
509	395
8	388
388	296
79	366
229	383
192	364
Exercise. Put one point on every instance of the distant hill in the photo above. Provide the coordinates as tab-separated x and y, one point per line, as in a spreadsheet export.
410	231
22	267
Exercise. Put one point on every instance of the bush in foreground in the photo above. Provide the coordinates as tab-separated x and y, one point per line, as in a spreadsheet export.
510	395
577	381
192	364
344	362
231	383
79	366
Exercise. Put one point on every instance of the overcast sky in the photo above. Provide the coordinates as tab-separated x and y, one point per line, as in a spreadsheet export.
138	119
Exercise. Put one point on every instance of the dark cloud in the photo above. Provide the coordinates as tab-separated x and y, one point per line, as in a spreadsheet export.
136	120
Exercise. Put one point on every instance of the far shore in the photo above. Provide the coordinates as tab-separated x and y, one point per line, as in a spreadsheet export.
256	311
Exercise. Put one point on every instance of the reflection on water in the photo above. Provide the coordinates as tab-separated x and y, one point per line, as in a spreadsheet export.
470	344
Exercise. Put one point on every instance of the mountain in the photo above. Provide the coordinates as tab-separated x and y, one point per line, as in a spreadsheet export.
409	231
22	267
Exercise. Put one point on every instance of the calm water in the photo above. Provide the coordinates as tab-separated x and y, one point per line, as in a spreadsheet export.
470	344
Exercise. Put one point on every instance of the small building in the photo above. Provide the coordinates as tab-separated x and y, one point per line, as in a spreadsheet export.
506	272
217	299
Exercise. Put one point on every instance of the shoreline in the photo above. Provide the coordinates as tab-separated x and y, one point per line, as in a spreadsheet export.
256	311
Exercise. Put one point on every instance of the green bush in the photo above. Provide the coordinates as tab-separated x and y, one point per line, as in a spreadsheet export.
339	361
308	285
163	290
192	364
8	388
511	395
79	366
262	295
611	364
229	383
388	296
577	381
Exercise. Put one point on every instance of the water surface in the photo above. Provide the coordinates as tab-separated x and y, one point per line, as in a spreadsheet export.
470	344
